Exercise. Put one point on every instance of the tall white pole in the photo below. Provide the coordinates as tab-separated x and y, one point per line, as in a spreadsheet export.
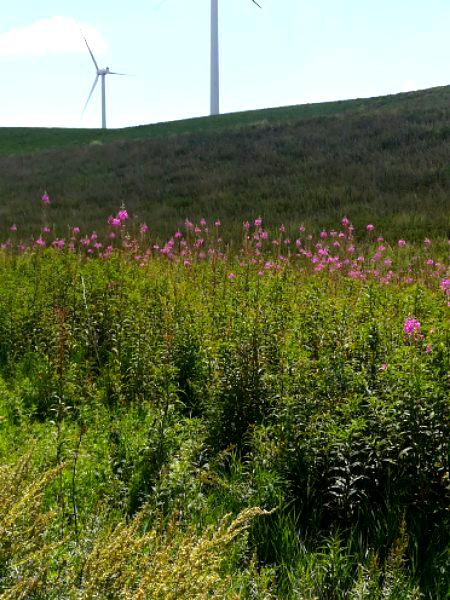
214	57
103	102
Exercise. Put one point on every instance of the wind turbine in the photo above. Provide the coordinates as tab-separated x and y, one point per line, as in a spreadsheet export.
215	55
100	73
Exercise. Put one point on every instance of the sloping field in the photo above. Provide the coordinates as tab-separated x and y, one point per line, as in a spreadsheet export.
179	420
385	159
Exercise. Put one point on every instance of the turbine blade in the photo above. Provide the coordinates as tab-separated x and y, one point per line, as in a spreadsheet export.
114	73
158	6
254	2
91	92
90	52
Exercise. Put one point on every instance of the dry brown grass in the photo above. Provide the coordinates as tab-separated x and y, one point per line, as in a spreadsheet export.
25	551
125	561
168	564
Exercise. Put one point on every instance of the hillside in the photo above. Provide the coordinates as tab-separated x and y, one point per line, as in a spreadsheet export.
212	418
385	159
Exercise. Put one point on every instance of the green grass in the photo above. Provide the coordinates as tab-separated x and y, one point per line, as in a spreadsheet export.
382	159
148	405
16	141
175	395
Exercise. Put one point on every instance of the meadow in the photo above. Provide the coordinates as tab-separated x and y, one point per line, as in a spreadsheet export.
191	418
383	159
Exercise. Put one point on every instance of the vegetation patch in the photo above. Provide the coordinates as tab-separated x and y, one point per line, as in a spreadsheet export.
382	159
188	419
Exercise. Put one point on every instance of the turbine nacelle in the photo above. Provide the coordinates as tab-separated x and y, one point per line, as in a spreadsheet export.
99	73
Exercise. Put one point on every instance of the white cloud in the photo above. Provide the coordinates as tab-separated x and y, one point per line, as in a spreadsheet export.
56	35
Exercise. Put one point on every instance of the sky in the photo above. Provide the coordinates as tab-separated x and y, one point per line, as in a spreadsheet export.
289	52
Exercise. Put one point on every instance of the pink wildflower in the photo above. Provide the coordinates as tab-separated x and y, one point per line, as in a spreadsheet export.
445	286
401	243
411	328
45	198
370	227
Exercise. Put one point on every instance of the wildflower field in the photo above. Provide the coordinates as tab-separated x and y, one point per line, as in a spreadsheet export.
193	419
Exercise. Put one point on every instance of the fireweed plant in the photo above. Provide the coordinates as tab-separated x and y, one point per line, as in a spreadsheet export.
192	419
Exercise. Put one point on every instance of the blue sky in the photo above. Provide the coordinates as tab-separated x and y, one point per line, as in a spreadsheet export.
291	52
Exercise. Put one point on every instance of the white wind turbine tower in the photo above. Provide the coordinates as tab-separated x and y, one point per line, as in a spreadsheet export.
215	56
100	73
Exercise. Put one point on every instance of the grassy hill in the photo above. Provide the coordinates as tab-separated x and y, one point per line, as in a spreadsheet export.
182	422
382	159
